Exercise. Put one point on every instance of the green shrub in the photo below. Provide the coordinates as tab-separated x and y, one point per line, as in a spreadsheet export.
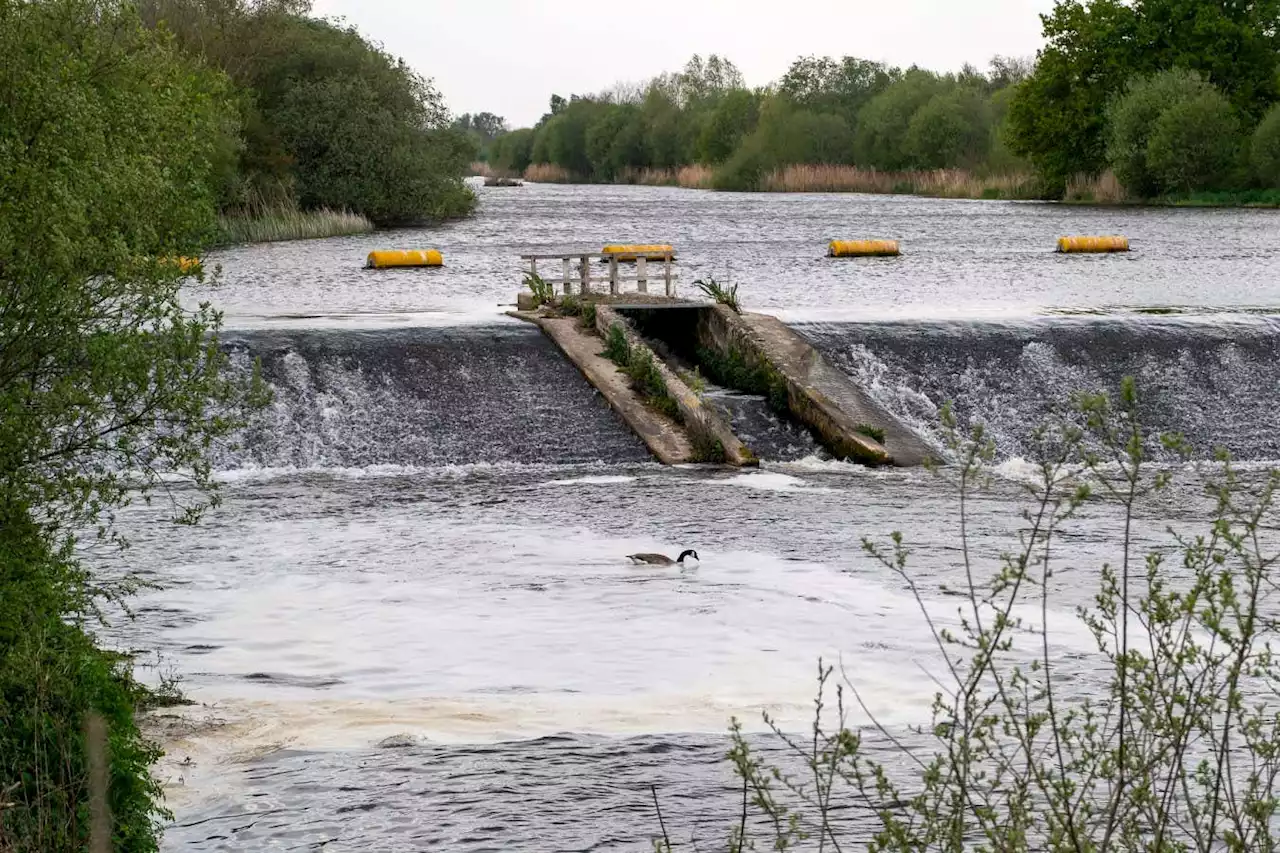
589	315
1136	118
616	347
726	296
734	371
745	170
1264	153
543	291
952	129
51	676
1194	144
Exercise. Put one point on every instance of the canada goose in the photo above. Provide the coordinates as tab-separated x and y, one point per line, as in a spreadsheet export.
661	559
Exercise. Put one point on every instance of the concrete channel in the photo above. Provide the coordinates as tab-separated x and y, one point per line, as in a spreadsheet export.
753	353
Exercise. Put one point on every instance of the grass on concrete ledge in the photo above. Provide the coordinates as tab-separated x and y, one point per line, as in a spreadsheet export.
290	224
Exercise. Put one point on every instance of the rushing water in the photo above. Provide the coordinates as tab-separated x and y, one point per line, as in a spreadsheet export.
422	543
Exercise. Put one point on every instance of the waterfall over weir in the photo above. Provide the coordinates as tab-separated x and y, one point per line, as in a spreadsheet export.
1214	379
422	397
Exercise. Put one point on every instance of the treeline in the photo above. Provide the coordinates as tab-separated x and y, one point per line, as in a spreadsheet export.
823	111
1174	96
311	115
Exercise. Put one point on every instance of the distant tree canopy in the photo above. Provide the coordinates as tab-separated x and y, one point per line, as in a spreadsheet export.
823	110
1097	97
326	118
1097	51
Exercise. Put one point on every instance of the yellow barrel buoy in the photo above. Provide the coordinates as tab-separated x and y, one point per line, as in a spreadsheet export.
383	258
647	251
862	249
183	264
1093	244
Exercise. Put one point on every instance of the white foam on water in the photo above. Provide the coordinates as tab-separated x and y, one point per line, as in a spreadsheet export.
602	480
772	481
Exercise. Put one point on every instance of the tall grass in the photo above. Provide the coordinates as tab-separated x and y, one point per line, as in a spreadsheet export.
1099	189
694	177
548	173
942	183
288	223
480	169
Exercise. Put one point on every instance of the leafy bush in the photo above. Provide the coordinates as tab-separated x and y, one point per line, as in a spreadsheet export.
1264	153
1133	119
1194	144
952	129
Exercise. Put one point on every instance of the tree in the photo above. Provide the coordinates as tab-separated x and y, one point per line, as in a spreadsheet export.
353	152
1094	48
952	129
1265	151
108	139
732	118
615	140
706	80
1131	119
273	52
513	152
1194	144
881	133
824	85
1057	117
486	126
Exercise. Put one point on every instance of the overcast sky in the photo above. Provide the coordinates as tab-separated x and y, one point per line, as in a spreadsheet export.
508	57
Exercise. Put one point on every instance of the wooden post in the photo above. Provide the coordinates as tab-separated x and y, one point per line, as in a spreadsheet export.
565	277
586	275
642	274
533	266
666	275
613	275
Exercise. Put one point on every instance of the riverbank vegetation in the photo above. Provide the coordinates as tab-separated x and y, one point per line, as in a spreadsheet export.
1146	719
314	119
1166	100
289	223
118	148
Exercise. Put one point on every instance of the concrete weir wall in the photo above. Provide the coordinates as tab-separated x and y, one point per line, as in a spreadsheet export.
818	395
706	429
842	417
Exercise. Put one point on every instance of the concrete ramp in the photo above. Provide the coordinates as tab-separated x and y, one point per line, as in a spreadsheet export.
819	395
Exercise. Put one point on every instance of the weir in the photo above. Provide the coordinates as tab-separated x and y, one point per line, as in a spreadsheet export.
652	358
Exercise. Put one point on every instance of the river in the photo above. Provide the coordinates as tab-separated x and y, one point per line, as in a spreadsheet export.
423	538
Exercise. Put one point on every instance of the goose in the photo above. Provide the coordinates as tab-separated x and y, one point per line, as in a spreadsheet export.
661	559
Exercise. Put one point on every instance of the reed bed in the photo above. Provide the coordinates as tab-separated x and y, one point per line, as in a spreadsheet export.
941	183
272	226
481	169
695	177
1100	189
548	173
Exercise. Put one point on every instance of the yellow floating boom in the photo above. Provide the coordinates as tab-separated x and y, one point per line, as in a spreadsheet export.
383	258
1093	244
630	252
862	248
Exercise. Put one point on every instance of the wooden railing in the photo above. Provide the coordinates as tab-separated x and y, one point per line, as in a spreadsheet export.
615	278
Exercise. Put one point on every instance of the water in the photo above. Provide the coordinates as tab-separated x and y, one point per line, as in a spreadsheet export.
423	540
